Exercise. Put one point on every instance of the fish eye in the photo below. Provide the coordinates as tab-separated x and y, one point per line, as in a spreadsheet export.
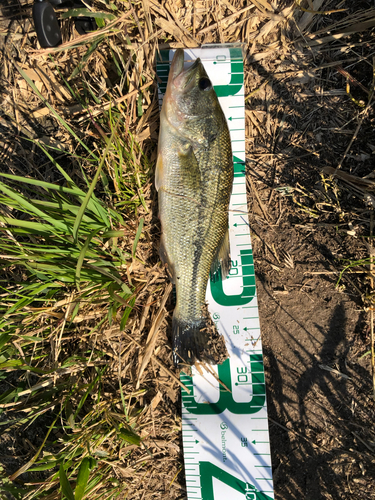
205	83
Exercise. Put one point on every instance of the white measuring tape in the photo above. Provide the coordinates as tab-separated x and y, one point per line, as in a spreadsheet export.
225	433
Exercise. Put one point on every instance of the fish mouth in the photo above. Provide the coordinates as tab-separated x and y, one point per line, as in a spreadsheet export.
182	77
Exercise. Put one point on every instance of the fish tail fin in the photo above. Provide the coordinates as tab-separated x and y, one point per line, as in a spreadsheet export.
197	340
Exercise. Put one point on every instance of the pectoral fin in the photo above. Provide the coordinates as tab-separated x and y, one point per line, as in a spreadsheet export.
222	258
189	167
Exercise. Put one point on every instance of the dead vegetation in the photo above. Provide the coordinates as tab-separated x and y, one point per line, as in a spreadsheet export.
89	364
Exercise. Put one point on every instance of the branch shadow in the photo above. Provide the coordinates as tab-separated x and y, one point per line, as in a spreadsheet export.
312	410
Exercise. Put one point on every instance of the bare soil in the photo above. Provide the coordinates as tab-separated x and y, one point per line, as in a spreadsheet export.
315	328
319	388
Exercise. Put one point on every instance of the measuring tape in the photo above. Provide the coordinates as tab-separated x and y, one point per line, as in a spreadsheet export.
225	427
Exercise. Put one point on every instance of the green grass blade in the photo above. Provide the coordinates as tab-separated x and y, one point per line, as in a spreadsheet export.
82	478
55	114
54	162
130	436
82	256
87	12
81	211
46	185
93	204
25	467
89	389
365	354
113	234
126	314
86	56
124	287
4	337
137	236
65	485
31	208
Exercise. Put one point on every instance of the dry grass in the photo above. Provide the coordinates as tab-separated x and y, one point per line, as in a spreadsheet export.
104	382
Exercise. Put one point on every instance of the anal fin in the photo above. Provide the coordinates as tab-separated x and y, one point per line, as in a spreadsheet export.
222	258
166	261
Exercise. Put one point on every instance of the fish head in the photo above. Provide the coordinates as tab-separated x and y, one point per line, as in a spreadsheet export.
190	104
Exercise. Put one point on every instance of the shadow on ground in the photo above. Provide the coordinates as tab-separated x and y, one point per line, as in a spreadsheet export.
319	419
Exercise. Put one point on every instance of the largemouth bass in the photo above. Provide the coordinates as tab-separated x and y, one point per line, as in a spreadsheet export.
194	176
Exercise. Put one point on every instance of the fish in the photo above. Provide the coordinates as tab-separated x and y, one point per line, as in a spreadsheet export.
193	177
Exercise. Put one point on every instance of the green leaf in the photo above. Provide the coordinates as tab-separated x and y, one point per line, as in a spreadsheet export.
10	395
126	314
43	184
27	466
29	227
100	23
139	105
365	354
113	234
11	363
121	298
54	112
81	211
31	208
44	466
86	56
17	492
137	236
94	204
82	478
89	389
130	436
4	337
82	255
32	339
110	275
87	12
75	311
43	147
65	485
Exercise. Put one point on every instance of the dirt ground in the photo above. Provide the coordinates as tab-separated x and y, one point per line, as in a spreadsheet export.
314	332
305	228
320	432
